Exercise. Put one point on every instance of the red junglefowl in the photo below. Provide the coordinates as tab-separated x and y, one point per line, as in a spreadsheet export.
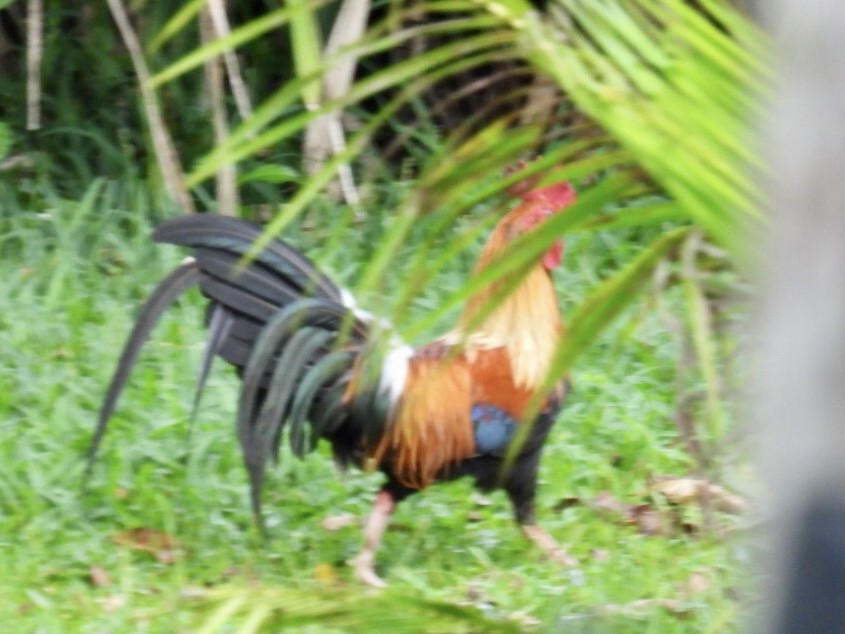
312	361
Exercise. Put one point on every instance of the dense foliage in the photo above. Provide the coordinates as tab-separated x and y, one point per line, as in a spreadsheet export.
648	116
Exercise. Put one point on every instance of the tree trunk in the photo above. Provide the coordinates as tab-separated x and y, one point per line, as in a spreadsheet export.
801	411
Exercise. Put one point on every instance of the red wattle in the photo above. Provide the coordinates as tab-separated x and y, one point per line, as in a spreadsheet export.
554	255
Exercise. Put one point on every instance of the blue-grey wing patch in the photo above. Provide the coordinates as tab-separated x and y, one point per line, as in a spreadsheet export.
493	428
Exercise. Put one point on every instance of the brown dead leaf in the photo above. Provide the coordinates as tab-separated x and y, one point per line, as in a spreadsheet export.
160	545
99	577
668	519
694	490
604	501
646	518
643	516
565	503
336	522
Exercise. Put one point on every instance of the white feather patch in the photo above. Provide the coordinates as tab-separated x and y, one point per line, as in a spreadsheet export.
348	300
394	372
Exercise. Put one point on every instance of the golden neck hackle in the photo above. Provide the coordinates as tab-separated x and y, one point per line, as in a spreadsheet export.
526	322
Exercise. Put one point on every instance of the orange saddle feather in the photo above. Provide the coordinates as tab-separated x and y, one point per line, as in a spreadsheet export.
432	426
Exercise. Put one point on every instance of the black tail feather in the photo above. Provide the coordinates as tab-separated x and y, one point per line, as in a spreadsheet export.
237	237
219	325
236	351
306	312
281	323
167	292
328	417
305	402
256	279
299	354
266	428
236	297
290	343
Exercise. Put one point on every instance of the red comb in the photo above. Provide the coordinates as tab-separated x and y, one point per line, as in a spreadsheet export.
556	196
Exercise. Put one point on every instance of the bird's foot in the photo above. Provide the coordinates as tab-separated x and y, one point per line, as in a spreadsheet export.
548	545
362	564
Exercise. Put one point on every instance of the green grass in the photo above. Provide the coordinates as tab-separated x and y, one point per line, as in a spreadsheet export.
74	274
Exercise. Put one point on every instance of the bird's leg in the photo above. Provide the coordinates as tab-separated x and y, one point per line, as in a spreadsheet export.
521	489
548	545
376	525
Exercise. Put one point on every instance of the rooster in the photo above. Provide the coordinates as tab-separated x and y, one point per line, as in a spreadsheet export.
312	361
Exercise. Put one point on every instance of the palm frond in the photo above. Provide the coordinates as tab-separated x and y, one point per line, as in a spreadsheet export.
259	609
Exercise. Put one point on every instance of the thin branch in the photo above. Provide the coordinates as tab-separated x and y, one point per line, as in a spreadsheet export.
217	11
325	136
34	53
225	179
165	151
348	27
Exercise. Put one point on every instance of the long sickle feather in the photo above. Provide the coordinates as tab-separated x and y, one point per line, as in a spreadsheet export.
267	427
298	355
306	312
168	291
323	372
218	330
